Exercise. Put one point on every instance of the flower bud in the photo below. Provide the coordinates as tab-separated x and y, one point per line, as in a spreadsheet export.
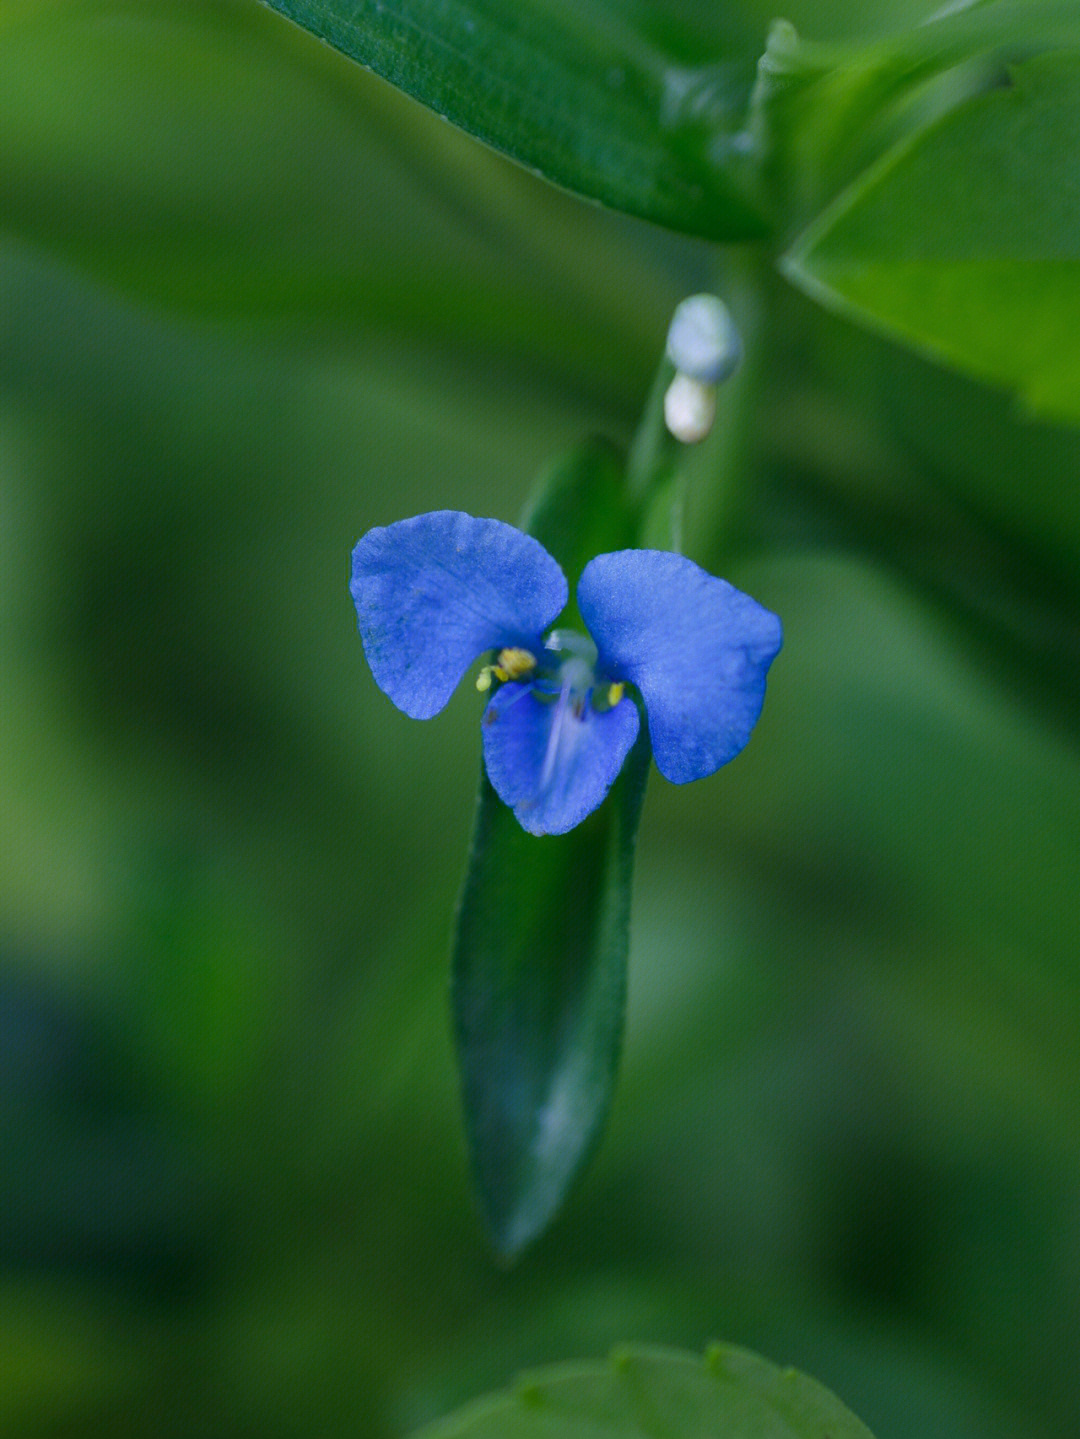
702	340
689	409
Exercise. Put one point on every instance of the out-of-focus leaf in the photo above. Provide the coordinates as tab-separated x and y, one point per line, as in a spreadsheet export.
63	1362
638	115
964	26
580	508
180	151
213	160
652	1394
542	937
146	138
965	241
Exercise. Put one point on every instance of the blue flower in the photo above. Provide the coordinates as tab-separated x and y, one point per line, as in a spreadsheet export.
435	592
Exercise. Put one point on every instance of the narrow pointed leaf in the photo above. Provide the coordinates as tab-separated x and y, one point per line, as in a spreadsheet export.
539	997
644	1393
539	973
593	100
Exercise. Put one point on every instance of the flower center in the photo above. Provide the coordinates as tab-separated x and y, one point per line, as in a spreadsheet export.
574	674
568	676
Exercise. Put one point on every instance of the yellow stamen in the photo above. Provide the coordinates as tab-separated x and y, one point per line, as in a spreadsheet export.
615	693
512	663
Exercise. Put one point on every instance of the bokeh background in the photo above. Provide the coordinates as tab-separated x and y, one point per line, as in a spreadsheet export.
254	302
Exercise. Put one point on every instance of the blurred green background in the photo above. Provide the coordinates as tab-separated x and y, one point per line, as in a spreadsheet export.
254	302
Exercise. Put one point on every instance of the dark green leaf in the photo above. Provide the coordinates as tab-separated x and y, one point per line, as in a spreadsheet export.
655	1394
539	996
580	508
539	986
629	110
965	241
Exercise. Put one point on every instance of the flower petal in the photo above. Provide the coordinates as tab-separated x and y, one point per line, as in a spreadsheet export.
433	592
551	765
697	648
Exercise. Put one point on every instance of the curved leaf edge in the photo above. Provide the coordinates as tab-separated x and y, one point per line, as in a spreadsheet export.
683	189
800	1406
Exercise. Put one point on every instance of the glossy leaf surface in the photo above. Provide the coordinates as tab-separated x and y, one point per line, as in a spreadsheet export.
965	242
639	112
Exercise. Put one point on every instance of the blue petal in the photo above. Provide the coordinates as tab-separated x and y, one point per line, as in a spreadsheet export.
697	648
551	765
435	591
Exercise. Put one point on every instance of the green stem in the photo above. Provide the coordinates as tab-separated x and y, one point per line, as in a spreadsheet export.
719	470
668	479
654	452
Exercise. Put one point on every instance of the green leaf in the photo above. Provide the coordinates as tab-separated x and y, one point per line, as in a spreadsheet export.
539	987
629	110
539	997
62	1353
580	508
645	1393
965	241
